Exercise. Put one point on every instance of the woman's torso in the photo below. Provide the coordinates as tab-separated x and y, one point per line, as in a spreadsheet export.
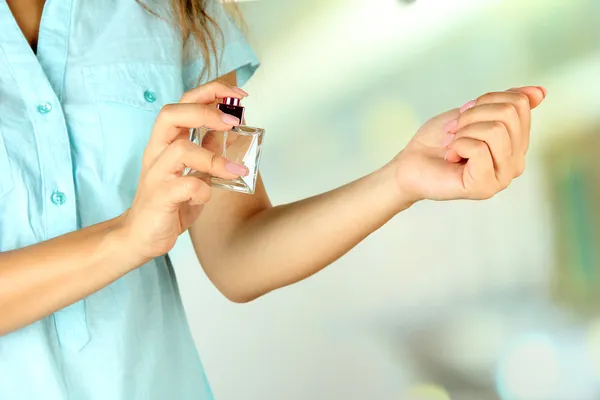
74	121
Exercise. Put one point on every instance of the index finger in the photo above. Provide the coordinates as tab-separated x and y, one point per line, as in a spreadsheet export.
535	94
211	92
175	119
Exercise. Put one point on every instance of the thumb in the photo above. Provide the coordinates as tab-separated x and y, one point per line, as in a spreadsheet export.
536	94
441	121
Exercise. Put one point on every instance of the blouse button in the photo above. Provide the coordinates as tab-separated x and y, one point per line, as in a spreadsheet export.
44	108
150	96
58	198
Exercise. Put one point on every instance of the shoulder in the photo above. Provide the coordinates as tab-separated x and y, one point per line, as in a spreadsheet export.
234	51
124	31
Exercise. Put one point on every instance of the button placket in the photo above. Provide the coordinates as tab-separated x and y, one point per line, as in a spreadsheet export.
61	214
61	207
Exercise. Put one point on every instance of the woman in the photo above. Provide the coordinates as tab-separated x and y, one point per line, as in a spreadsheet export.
96	98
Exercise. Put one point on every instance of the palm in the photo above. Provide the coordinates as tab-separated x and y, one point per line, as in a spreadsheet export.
164	228
422	166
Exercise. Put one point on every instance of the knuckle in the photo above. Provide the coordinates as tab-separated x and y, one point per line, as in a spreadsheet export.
463	119
203	113
519	168
484	194
221	84
187	96
212	161
209	86
522	100
179	147
216	86
166	113
481	148
166	110
206	160
489	192
191	186
457	138
507	110
485	98
204	193
504	182
497	128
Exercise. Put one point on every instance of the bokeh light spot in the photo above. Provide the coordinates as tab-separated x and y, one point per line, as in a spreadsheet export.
529	370
593	344
426	392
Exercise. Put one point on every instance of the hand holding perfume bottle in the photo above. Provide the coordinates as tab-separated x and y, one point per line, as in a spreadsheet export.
241	144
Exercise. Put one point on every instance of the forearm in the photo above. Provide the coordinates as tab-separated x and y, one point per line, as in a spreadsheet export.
285	244
38	280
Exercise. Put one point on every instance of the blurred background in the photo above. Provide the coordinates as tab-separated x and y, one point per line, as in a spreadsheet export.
494	300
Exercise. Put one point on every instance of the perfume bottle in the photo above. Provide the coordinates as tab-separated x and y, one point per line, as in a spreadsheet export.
242	145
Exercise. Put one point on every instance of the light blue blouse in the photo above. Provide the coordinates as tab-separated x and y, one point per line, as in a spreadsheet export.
74	121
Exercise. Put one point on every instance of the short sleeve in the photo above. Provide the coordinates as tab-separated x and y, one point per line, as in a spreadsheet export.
235	53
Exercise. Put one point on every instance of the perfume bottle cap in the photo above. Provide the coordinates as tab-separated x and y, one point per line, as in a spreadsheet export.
231	106
231	101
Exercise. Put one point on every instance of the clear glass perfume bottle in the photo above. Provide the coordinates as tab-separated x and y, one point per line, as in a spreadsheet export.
242	145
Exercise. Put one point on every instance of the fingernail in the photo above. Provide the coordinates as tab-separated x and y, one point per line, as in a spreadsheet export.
230	119
236	169
446	156
450	125
467	106
448	139
240	91
544	90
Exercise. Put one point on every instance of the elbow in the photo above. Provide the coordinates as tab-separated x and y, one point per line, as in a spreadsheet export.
240	297
235	288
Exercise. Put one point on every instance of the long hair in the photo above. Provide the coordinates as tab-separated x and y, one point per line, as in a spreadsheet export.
201	30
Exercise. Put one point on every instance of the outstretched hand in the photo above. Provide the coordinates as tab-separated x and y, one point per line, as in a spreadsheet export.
470	153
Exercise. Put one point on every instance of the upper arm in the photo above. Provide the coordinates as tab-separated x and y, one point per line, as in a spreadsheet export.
225	212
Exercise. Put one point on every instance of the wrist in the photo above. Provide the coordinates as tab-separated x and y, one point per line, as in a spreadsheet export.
408	178
397	197
119	239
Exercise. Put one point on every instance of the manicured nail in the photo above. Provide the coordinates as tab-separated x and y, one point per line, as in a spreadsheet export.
450	125
240	91
236	169
448	139
467	106
230	119
544	90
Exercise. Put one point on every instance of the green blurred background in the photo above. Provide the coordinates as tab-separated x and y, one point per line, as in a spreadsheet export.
494	300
